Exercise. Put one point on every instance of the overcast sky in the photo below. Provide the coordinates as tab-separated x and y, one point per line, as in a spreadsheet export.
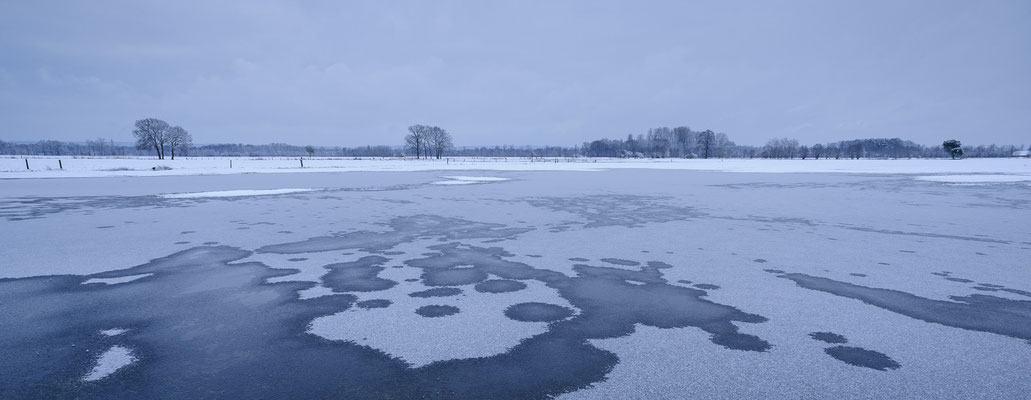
517	72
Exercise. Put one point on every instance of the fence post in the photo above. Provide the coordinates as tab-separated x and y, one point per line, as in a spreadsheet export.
59	165
230	163
302	162
26	163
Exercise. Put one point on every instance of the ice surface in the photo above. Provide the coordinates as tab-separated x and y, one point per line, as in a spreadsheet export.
976	178
112	360
672	277
233	193
115	281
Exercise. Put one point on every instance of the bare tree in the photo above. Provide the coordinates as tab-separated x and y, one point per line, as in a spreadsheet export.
151	133
310	150
438	140
179	138
416	139
706	139
817	151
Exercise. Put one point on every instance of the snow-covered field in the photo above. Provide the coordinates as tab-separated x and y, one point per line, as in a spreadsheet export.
50	167
510	279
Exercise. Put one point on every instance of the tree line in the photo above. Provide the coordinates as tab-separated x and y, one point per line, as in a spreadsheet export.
154	136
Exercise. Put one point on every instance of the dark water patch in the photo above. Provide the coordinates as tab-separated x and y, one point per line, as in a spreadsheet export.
297	259
940	273
393	253
706	286
499	286
537	312
759	260
980	253
105	227
186	232
435	311
961	280
686	282
883	263
990	285
579	259
285	232
210	243
858	274
774	271
829	337
534	255
357	276
861	357
243	228
906	251
620	261
374	303
437	292
975	312
181	243
403	230
412	280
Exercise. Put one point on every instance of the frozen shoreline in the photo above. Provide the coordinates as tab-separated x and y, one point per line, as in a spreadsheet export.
13	167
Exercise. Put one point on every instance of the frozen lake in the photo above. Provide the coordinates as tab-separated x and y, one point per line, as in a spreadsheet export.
513	282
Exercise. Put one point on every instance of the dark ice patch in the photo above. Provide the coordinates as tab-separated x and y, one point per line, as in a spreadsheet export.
828	337
435	311
499	286
297	259
759	260
961	280
861	357
706	286
210	243
357	276
579	259
620	261
374	303
181	243
975	312
537	312
437	292
858	274
774	271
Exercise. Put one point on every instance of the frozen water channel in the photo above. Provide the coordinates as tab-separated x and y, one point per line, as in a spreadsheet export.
623	283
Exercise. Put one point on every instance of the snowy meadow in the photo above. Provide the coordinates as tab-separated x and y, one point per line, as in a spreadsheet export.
506	278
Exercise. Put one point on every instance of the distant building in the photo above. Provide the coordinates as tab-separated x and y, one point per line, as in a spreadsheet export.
1022	153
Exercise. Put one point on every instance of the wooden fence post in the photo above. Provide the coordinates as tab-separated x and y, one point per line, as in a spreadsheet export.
230	163
59	165
26	163
302	162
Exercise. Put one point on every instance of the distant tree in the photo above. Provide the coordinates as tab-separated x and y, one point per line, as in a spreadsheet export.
179	139
953	147
706	140
151	133
439	140
817	150
310	150
416	139
803	152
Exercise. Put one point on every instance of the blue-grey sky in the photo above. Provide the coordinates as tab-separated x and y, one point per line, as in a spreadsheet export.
517	72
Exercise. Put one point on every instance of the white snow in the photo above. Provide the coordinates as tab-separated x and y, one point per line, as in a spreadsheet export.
115	281
112	360
975	178
113	332
233	193
47	167
468	180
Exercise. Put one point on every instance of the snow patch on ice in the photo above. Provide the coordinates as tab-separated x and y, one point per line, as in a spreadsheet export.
111	361
115	281
113	332
467	180
975	178
233	193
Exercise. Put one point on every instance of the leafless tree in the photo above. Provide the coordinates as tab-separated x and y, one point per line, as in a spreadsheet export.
438	140
179	139
151	133
310	150
706	139
416	139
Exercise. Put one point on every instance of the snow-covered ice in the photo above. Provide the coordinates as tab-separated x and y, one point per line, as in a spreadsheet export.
637	279
233	193
115	358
